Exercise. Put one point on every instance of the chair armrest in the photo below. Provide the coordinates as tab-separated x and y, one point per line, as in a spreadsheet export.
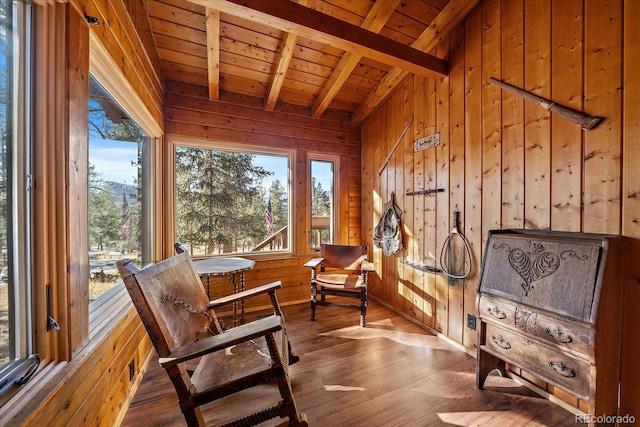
229	338
314	262
239	296
368	266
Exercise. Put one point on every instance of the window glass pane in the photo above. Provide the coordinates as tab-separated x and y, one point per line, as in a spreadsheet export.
7	352
116	203
231	202
322	215
15	149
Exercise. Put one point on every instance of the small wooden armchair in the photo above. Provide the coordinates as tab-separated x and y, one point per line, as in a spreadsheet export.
342	271
203	362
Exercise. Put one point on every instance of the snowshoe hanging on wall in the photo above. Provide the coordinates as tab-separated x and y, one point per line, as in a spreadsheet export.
387	234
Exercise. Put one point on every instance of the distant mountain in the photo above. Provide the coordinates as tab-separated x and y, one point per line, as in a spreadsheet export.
116	190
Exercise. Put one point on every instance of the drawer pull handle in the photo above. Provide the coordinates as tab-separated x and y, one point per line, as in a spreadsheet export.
496	312
559	335
500	342
562	369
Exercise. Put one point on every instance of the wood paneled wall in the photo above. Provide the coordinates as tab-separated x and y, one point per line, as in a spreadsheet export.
126	45
242	120
94	388
506	163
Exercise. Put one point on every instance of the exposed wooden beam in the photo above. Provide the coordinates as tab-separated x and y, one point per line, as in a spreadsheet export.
287	47
213	52
308	23
433	35
288	44
375	20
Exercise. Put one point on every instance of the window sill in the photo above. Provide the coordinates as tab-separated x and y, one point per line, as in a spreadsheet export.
107	309
270	256
50	381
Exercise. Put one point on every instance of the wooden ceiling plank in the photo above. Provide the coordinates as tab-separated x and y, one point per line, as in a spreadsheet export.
180	57
304	22
172	29
433	35
171	43
163	11
213	52
375	21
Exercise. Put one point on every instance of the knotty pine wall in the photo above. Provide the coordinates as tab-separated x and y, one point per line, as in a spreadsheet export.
505	163
242	120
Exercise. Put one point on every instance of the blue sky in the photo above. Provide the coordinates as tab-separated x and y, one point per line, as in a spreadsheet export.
277	165
112	159
321	170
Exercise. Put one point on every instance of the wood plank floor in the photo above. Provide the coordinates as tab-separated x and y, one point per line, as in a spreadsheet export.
391	373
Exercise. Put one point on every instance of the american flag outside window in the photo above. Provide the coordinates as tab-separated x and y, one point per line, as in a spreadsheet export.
269	218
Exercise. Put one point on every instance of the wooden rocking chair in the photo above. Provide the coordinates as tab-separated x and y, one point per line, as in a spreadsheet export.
203	362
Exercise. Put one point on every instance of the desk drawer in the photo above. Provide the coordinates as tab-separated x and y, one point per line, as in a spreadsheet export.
535	356
568	335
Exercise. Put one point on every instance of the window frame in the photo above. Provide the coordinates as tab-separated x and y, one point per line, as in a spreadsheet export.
62	40
22	341
142	145
185	141
108	74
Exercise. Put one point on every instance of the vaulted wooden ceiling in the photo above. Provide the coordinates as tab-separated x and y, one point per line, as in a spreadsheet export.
345	55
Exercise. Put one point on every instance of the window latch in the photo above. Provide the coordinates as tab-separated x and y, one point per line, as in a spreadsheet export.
34	360
51	322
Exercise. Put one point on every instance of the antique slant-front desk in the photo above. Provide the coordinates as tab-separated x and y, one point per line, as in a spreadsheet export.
550	303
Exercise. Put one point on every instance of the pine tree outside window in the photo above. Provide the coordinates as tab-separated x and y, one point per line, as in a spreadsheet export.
222	200
322	202
116	203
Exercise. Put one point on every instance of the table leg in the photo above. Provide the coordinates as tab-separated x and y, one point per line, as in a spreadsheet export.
235	304
242	302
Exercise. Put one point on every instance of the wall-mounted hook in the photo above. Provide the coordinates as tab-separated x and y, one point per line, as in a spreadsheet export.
92	20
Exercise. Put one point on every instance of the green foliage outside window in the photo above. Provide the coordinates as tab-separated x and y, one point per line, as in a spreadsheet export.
115	189
221	201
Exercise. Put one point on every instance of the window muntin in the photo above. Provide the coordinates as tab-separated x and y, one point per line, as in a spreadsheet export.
322	205
117	202
222	200
16	330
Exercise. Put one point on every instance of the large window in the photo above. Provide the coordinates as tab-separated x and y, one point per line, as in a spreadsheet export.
16	329
117	206
231	202
322	203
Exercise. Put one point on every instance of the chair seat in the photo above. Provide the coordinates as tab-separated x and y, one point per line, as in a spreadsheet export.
340	281
341	270
225	367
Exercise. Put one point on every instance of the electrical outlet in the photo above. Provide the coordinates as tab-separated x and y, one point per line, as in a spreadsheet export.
132	369
471	322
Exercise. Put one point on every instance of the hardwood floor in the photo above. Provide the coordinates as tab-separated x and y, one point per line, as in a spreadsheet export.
391	373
